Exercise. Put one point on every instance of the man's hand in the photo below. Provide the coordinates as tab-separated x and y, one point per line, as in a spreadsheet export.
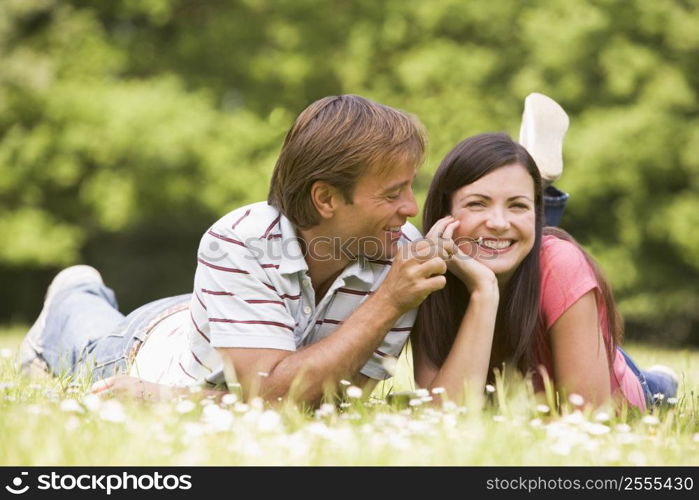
137	388
125	385
417	270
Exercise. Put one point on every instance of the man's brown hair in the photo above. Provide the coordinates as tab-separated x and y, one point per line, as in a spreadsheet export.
337	139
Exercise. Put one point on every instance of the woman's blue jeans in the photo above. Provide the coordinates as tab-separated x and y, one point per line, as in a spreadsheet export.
657	386
554	204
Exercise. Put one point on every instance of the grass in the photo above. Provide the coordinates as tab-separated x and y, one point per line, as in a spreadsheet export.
51	423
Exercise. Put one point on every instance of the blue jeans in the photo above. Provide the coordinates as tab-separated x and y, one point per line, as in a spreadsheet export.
554	205
657	387
85	335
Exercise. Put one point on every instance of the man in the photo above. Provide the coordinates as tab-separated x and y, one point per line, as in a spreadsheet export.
290	296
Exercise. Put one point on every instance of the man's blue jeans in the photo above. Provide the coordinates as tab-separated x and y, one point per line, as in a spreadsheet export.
86	336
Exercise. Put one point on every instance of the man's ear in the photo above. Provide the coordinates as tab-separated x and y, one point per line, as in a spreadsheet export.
325	198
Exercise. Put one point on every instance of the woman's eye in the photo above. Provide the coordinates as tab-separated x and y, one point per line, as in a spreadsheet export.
475	204
520	206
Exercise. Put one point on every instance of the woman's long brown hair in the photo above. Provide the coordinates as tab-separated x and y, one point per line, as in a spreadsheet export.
519	335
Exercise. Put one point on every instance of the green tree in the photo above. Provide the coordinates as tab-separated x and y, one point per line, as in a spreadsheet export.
127	119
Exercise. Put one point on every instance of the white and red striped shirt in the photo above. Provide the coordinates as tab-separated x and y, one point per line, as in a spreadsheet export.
252	289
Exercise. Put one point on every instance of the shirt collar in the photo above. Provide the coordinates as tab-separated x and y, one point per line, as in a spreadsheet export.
361	269
293	261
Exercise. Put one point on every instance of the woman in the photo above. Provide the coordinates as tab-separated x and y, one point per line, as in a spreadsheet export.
517	293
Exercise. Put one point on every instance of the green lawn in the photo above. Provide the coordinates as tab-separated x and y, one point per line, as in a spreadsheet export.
47	423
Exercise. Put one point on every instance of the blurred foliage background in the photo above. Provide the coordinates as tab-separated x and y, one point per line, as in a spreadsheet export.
128	126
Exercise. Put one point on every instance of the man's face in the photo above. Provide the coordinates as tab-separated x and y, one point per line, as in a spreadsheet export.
382	203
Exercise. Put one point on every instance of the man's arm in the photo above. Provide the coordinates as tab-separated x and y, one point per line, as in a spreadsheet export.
306	374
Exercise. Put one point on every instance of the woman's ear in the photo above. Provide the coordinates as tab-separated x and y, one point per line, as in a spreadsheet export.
325	198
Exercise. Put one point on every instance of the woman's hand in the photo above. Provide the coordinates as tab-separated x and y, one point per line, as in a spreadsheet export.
476	276
125	385
464	371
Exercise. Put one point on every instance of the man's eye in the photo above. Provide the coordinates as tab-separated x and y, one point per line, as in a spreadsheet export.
520	205
393	197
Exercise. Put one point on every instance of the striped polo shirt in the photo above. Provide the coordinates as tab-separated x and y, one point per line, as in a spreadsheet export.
252	290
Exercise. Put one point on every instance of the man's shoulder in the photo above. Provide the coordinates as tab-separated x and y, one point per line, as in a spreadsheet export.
256	220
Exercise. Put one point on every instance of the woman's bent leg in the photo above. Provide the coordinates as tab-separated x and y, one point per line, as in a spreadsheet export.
662	383
658	383
554	204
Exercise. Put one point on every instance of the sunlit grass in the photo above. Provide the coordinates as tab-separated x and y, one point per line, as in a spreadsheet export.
52	423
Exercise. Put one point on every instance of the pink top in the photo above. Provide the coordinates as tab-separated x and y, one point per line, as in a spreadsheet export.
565	278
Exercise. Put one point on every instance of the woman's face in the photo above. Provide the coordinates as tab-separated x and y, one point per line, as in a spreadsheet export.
499	208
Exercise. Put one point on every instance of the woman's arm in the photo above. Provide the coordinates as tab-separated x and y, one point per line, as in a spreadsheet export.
580	360
469	357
